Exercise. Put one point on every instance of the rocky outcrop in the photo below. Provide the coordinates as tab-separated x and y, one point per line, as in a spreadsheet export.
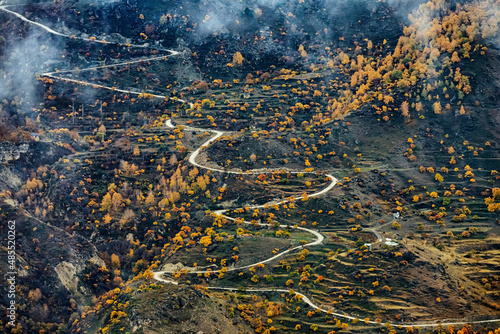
11	152
173	267
67	275
68	272
9	178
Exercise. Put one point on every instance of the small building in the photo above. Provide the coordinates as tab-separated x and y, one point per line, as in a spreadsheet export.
390	243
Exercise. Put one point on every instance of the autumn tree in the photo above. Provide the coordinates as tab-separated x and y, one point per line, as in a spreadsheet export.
405	110
137	150
115	261
150	200
202	85
238	59
35	295
101	131
106	202
302	52
437	107
107	218
117	200
173	160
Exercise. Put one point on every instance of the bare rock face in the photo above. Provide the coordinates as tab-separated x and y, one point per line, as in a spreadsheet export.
68	272
169	267
97	260
67	275
10	178
12	152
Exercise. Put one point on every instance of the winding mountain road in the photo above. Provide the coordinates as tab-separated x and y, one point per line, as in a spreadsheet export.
90	39
192	159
